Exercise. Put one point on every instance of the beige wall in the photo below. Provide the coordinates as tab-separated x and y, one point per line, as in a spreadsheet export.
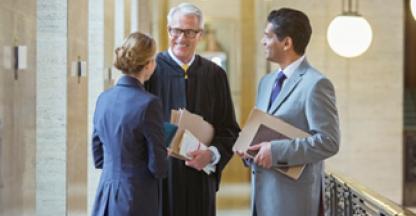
17	110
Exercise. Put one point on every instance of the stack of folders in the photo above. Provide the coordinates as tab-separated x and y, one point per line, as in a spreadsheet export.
262	127
187	132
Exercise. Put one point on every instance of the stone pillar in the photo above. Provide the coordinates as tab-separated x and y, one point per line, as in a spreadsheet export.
134	17
95	84
119	31
51	107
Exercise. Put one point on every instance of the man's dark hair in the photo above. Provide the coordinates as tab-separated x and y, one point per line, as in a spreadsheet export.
291	23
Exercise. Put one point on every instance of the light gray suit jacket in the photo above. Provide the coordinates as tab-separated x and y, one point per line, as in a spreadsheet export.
306	101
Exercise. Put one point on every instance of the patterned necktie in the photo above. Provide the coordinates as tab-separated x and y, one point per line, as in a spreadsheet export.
276	87
185	69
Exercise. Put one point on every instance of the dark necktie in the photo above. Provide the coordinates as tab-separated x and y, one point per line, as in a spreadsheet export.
276	87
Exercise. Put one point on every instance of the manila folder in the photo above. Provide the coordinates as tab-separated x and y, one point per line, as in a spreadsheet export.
261	127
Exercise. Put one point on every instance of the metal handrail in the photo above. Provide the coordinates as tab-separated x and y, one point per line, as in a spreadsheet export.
344	197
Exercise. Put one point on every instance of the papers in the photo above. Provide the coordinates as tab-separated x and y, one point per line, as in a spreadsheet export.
194	123
261	127
191	143
192	133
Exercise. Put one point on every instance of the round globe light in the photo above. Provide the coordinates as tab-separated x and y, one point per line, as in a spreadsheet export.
349	35
413	8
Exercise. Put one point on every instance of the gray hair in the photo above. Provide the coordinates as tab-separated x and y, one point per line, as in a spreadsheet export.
186	9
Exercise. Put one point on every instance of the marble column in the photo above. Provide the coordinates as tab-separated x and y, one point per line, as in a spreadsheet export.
95	83
51	107
119	30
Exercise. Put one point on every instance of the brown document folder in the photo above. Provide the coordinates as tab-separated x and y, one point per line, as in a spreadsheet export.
195	124
262	127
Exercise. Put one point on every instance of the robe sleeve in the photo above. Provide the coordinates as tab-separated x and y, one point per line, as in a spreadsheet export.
225	124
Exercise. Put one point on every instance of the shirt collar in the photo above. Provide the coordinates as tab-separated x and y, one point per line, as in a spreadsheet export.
291	68
179	62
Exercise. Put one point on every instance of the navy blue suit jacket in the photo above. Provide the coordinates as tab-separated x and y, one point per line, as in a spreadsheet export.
128	146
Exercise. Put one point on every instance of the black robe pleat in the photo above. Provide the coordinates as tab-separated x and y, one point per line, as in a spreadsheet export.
206	92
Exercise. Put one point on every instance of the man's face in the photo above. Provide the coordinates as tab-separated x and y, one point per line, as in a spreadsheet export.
184	34
274	48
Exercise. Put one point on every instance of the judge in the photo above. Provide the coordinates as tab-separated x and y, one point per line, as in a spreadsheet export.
184	79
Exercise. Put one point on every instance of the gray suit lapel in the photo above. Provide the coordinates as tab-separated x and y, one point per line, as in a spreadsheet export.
289	86
265	98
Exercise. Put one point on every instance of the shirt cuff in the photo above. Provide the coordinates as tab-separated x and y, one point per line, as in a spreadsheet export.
215	155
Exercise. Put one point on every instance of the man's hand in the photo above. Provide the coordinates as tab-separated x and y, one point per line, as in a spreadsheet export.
243	155
170	151
264	155
200	159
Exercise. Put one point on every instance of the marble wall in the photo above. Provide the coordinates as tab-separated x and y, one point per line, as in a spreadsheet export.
51	107
96	73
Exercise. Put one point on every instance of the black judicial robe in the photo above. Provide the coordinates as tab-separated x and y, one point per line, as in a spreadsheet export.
206	92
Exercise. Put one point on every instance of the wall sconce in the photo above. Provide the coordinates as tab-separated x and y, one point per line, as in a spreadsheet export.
413	8
108	77
79	69
349	34
15	58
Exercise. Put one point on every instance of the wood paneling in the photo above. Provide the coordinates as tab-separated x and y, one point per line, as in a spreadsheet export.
17	110
109	38
77	88
248	47
163	10
145	16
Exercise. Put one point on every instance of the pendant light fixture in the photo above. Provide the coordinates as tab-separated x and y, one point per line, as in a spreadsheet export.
349	34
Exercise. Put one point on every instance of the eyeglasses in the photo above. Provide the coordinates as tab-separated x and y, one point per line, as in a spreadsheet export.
189	33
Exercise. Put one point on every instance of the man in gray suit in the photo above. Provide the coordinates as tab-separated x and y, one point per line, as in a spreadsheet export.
303	97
